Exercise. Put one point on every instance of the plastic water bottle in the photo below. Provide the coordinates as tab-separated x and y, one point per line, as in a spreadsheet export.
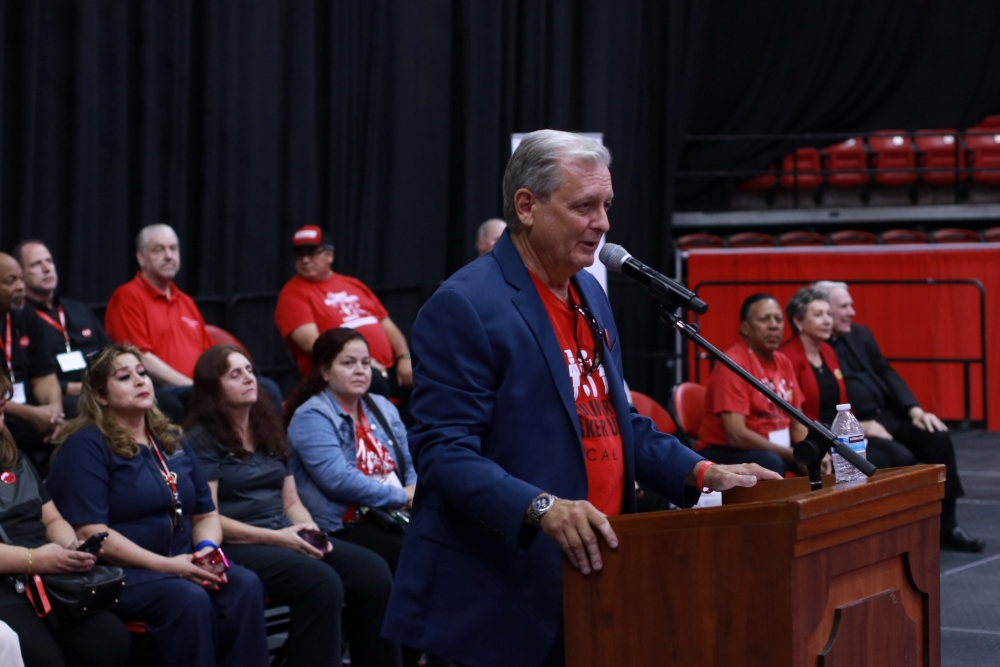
847	430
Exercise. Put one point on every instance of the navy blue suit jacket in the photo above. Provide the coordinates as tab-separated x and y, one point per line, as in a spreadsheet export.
496	426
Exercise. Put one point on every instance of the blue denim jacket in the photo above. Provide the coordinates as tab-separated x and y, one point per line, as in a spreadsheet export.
324	459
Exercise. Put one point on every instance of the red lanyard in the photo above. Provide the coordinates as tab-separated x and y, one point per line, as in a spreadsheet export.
8	348
169	477
59	326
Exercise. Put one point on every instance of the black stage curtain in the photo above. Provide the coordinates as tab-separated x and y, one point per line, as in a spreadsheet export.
389	122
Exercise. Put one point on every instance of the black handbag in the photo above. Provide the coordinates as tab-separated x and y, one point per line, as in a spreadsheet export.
74	594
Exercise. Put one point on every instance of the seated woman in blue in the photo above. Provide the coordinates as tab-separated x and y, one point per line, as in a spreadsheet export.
121	468
244	455
341	455
43	543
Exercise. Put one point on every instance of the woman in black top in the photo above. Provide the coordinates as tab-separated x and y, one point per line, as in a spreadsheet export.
244	455
37	532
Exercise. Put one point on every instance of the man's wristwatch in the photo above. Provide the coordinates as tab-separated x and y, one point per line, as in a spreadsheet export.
405	355
542	503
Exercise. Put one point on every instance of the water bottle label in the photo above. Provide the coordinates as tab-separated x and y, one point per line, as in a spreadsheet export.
856	442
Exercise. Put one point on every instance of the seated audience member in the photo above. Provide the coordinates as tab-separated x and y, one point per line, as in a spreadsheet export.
244	455
41	542
71	330
151	313
122	468
34	413
888	410
818	371
739	424
488	234
342	457
316	299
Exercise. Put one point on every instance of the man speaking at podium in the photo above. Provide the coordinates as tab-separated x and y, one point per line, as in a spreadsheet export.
525	441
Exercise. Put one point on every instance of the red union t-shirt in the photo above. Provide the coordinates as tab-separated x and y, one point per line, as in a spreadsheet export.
727	392
602	442
338	301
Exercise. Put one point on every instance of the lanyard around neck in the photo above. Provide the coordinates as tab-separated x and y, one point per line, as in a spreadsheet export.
59	326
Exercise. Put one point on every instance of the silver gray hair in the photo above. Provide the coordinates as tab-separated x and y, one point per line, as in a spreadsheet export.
143	236
827	286
485	227
534	166
797	306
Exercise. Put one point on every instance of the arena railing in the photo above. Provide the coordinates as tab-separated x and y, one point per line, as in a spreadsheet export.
965	362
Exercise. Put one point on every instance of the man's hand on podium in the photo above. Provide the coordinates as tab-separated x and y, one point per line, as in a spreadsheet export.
572	523
723	477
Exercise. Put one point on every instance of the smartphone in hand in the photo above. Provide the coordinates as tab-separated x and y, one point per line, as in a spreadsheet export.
214	561
316	538
93	543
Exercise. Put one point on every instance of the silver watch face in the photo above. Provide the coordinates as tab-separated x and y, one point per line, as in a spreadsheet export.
542	503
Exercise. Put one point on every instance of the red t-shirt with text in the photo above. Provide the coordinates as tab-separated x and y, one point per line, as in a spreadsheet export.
727	392
338	301
602	441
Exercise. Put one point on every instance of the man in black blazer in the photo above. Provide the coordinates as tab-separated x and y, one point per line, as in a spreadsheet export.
889	411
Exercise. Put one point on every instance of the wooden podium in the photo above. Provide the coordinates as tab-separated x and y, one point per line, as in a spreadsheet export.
778	576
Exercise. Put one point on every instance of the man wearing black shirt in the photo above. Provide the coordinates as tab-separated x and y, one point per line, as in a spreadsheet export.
34	413
887	409
71	331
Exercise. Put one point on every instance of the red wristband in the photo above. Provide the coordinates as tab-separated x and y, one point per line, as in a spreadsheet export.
701	477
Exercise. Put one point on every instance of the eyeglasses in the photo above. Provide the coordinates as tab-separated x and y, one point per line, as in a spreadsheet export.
591	364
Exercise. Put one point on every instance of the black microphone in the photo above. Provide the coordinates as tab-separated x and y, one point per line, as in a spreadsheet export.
617	258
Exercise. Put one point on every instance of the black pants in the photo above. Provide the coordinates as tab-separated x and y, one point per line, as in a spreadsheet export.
727	455
926	447
349	588
388	545
100	640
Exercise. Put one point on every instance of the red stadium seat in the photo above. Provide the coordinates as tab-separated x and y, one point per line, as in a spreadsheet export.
992	235
800	170
691	241
984	153
853	237
891	149
936	148
790	239
687	404
903	236
848	160
989	123
220	336
954	235
647	407
751	240
759	183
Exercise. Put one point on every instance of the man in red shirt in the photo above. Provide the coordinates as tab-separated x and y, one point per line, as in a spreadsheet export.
316	299
153	314
739	424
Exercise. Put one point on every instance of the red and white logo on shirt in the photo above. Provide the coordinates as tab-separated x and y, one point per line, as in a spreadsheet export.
190	321
351	311
583	382
24	341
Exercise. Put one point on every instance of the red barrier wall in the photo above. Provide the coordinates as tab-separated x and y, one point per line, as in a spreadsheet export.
938	321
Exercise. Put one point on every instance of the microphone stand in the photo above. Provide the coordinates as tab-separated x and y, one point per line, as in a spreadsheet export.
818	442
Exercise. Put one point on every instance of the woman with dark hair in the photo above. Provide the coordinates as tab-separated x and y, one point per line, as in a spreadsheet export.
244	455
818	371
122	468
38	533
343	457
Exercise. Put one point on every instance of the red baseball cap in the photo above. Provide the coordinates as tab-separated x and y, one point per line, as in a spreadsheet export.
310	236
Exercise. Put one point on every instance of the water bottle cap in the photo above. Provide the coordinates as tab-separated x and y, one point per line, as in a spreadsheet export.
843	407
